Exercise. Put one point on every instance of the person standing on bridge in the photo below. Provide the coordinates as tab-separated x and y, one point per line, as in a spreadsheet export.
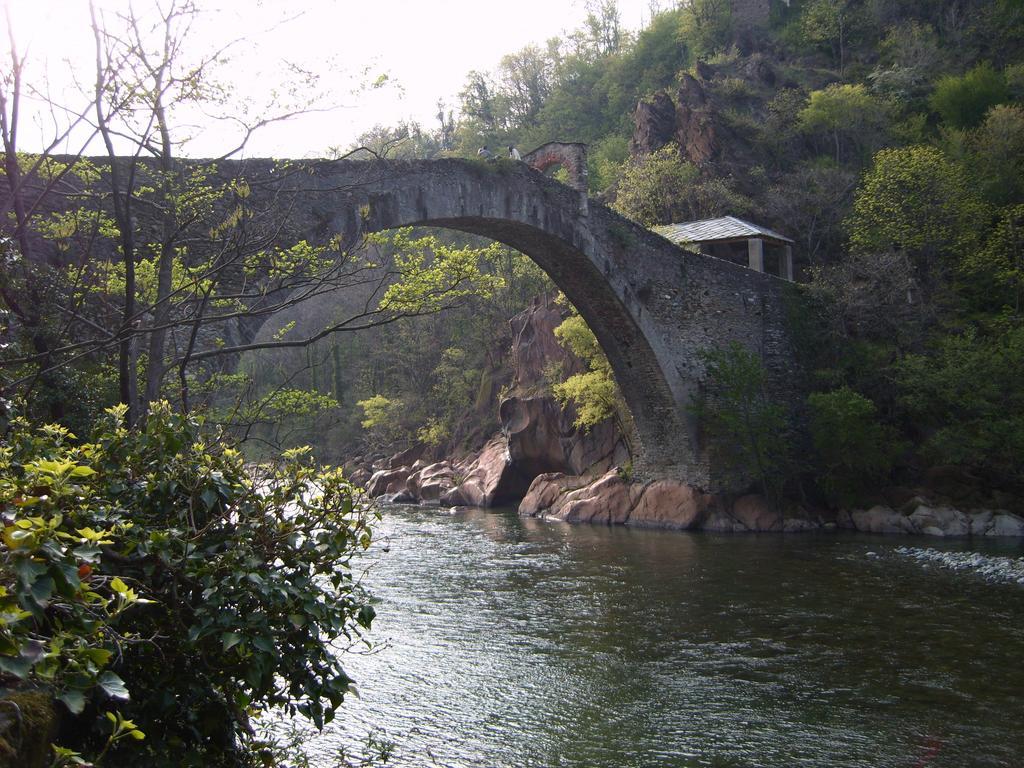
513	153
485	153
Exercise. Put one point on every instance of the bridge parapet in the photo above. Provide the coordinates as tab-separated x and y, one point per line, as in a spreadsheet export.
572	156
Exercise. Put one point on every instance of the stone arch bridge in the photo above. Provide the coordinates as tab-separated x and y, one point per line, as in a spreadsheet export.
652	305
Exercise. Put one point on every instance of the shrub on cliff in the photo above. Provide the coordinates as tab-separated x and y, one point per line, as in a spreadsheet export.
149	574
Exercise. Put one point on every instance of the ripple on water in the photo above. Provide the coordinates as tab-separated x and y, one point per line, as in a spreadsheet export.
512	643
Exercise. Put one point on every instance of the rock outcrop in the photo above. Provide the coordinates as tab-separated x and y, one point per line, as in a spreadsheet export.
696	132
612	500
609	499
688	120
488	480
654	124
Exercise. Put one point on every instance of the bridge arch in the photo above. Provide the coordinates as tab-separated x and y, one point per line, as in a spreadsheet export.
652	306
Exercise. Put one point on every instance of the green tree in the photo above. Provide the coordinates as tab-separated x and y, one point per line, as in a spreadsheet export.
848	114
706	26
910	57
651	186
746	429
995	272
966	402
998	154
593	393
855	449
828	22
915	198
962	101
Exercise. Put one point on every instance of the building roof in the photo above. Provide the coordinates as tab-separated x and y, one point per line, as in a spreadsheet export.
725	228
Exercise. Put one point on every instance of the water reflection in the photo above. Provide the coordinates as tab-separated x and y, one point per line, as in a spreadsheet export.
513	642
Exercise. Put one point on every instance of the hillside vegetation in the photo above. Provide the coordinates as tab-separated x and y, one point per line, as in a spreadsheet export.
886	137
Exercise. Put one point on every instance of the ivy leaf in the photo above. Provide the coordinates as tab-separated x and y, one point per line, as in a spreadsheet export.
113	686
209	497
74	700
229	640
18	667
42	591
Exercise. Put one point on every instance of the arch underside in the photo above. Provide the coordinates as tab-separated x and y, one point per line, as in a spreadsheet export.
660	432
652	306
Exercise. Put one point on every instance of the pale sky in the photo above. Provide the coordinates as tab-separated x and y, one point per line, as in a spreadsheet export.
425	48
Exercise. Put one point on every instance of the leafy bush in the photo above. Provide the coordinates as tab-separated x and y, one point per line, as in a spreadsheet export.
848	115
151	571
967	400
856	451
383	418
651	185
746	429
594	393
963	101
917	199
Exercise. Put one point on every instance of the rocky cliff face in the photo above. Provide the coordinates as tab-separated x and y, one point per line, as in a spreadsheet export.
537	435
689	121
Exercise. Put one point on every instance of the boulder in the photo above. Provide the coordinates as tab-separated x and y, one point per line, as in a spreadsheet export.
387	481
431	481
940	521
1006	524
755	513
490	479
882	519
719	520
981	521
546	490
800	525
407	457
670	504
607	500
359	477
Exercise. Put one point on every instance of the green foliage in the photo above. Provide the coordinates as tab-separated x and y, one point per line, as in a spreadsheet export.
651	184
963	101
910	58
967	401
855	449
828	24
594	392
995	273
706	26
746	429
849	114
383	419
998	154
573	334
916	199
149	552
433	274
605	161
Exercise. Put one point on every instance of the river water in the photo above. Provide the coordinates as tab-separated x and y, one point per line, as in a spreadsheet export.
511	642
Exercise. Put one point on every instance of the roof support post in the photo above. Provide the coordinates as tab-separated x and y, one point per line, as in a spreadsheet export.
787	265
755	254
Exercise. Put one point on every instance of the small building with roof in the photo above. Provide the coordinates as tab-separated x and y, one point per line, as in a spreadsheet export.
735	240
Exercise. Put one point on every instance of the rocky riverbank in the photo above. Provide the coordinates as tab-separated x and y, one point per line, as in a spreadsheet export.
541	462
